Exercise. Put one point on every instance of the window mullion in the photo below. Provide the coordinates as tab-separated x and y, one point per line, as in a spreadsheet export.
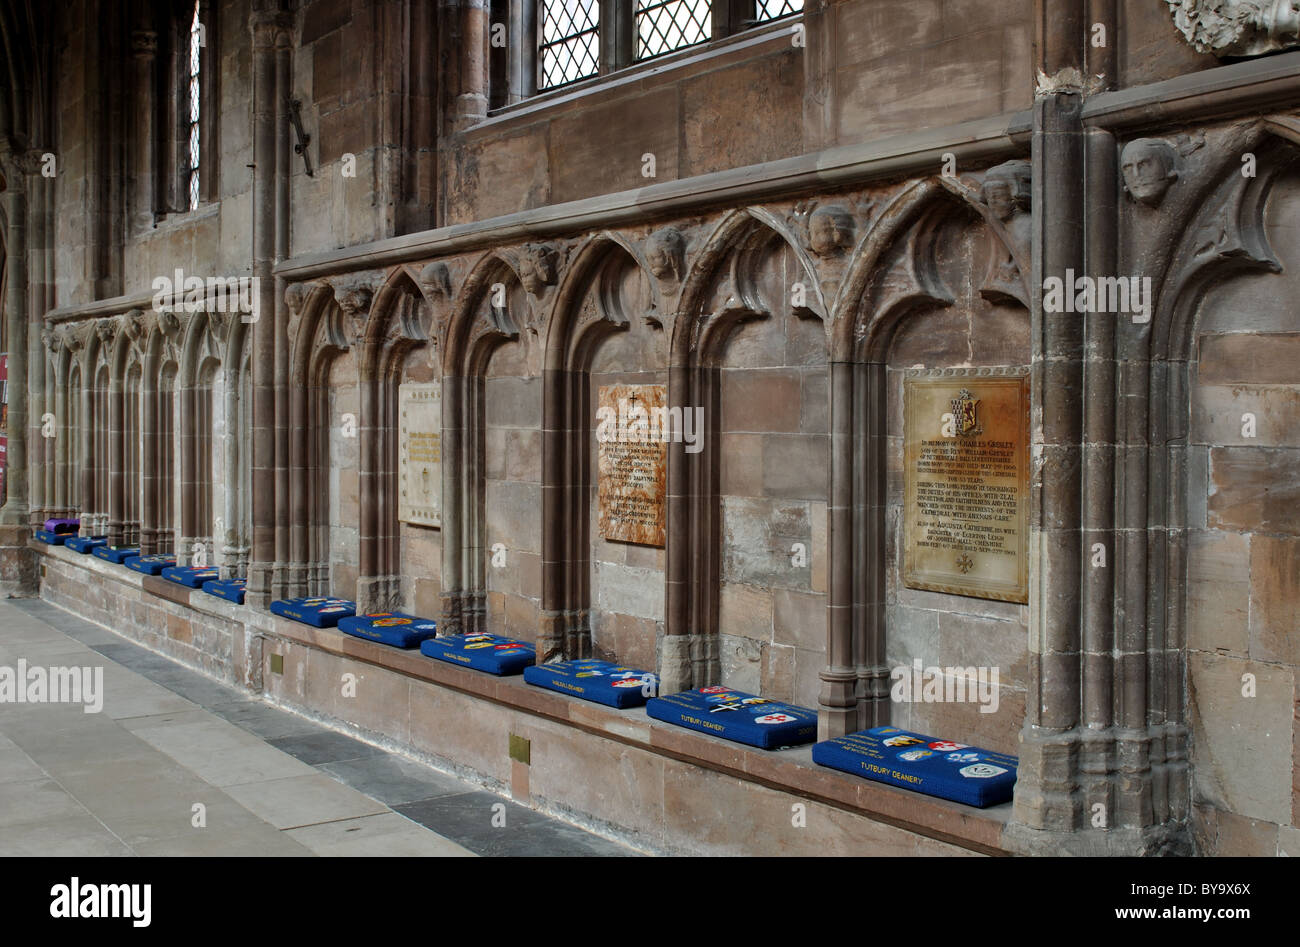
731	16
617	34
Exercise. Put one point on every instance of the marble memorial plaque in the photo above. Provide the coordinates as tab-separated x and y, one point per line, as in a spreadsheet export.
632	464
420	454
966	482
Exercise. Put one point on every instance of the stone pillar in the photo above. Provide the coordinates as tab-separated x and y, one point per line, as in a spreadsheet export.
837	702
675	671
38	246
144	49
472	103
1047	809
280	312
17	562
116	459
451	618
267	26
62	453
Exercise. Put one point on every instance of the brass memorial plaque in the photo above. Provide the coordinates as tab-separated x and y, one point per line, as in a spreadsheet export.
632	463
420	454
966	482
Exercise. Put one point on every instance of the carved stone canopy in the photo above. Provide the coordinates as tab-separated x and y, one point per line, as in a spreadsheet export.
1238	27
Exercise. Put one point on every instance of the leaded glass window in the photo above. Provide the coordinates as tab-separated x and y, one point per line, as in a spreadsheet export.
569	47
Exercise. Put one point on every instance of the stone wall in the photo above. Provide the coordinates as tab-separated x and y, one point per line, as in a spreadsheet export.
1243	606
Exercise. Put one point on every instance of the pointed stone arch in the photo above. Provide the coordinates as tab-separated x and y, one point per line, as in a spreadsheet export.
476	328
575	331
866	316
726	266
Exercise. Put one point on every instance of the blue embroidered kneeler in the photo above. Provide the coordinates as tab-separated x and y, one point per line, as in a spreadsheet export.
390	628
150	565
600	681
191	576
735	715
232	590
86	544
320	612
923	764
491	653
115	554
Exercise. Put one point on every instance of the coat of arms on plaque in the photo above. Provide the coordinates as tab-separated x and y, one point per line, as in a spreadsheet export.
963	413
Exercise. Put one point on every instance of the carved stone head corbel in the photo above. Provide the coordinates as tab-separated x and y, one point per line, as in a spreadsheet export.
1150	167
169	324
538	266
1007	189
106	329
353	295
133	325
435	280
665	253
830	230
52	340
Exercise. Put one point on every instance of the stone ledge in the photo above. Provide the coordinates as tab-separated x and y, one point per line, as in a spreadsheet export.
787	771
790	771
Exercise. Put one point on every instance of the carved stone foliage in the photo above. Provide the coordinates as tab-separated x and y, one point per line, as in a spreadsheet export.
1238	27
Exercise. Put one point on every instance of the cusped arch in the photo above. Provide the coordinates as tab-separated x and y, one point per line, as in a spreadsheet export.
588	260
738	230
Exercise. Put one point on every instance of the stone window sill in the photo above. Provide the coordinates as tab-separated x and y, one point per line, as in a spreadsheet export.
752	43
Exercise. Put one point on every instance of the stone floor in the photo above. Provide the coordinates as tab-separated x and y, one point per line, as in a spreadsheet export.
129	779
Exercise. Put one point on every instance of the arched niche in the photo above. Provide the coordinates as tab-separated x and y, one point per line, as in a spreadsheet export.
748	308
323	452
1208	547
491	537
71	474
399	345
603	589
938	283
199	394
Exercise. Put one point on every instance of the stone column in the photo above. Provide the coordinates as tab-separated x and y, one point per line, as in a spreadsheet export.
675	671
453	513
62	455
472	103
38	246
267	26
144	49
17	562
837	702
1047	809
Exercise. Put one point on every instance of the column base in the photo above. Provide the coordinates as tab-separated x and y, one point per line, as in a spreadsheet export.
1169	840
19	563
